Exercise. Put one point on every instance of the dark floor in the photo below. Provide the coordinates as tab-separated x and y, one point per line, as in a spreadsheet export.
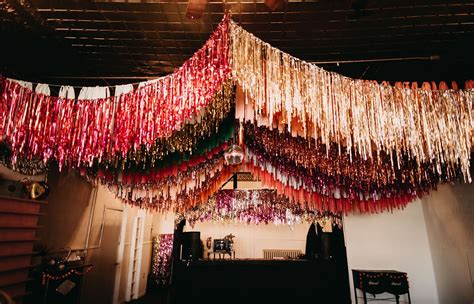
154	296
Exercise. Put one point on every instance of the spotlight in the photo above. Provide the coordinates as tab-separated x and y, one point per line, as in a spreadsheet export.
274	5
195	9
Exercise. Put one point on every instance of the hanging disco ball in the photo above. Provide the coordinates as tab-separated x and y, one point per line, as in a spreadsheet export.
234	155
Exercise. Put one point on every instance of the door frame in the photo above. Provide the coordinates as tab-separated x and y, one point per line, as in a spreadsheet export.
141	214
120	251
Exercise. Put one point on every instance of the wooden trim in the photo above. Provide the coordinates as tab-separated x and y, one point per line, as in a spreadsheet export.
23	200
20	268
25	253
18	282
34	239
22	212
20	227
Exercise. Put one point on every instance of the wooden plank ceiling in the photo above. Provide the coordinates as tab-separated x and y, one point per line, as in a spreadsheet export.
46	39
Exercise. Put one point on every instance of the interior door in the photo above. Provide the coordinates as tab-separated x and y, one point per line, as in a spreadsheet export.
101	281
109	252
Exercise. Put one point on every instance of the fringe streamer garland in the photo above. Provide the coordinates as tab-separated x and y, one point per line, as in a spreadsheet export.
361	117
378	145
261	206
79	132
333	202
213	126
177	187
307	162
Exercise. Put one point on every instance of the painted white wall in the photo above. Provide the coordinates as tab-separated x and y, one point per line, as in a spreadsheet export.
251	239
449	214
163	223
393	241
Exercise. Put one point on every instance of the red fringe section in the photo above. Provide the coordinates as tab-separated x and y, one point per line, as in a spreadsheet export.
317	202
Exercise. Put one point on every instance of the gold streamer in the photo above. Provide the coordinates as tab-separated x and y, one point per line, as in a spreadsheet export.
362	117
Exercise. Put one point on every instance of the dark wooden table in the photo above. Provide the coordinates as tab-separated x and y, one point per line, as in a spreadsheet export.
221	254
381	281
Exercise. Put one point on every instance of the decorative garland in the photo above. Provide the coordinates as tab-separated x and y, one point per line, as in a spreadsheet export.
175	199
214	120
47	276
78	132
378	146
326	203
262	206
212	130
172	174
173	189
361	117
161	258
22	166
379	276
317	171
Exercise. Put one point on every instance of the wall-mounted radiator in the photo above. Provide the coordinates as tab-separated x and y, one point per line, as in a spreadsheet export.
270	254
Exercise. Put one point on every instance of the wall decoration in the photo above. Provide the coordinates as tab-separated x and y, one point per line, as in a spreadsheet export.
161	258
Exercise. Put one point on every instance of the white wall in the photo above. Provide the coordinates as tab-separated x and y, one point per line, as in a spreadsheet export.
449	214
395	241
251	239
163	223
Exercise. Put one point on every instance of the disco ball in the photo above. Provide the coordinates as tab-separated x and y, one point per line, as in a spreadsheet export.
234	155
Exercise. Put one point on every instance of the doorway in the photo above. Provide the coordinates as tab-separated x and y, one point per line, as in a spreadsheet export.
101	283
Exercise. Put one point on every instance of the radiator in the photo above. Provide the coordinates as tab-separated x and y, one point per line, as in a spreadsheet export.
271	254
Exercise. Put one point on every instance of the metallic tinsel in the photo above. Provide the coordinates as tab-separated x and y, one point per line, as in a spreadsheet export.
263	206
362	117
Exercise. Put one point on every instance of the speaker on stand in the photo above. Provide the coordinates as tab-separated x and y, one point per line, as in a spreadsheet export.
191	246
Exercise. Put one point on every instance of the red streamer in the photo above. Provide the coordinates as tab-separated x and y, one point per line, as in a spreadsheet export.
322	203
79	132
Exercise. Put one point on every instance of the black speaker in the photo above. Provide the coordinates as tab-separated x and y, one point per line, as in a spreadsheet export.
191	246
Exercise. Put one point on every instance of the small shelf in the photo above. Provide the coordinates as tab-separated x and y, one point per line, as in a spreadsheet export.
19	268
16	254
22	213
20	226
23	200
18	282
25	240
